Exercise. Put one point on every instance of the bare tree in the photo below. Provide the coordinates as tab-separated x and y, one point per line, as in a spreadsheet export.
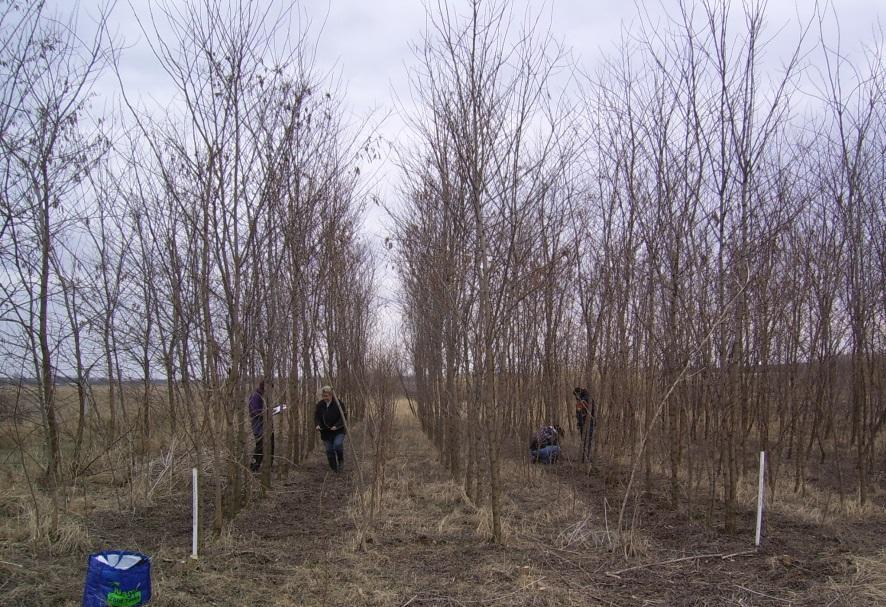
853	181
50	144
484	124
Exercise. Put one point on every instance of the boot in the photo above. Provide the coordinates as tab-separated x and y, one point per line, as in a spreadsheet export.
340	460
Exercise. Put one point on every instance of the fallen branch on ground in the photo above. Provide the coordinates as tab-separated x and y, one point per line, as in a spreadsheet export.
768	596
697	557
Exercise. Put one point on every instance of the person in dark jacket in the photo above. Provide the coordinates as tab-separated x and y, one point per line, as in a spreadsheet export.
257	420
331	420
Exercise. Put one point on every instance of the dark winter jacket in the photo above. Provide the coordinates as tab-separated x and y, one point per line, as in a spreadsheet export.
256	412
328	416
585	407
547	436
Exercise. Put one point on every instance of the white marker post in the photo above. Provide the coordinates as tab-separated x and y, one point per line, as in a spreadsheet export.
196	510
760	498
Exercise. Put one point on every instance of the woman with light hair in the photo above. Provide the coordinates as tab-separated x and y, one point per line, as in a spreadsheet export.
330	419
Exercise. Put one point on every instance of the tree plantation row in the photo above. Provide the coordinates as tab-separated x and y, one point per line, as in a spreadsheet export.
203	246
694	231
698	238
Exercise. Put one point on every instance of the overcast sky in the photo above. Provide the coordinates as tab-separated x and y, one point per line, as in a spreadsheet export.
367	42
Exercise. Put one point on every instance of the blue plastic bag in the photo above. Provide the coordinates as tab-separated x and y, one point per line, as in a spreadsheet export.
117	579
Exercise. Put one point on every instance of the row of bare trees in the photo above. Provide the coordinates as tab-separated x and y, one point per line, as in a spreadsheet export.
163	261
682	238
474	242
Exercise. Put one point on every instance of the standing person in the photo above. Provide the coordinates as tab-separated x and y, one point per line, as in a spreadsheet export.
586	416
330	419
257	420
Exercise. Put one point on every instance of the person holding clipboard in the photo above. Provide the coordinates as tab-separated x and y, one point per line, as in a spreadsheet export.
257	421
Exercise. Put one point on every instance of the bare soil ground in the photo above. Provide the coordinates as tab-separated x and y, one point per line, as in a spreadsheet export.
300	545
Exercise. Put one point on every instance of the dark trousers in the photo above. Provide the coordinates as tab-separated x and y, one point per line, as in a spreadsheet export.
587	436
258	455
545	455
335	451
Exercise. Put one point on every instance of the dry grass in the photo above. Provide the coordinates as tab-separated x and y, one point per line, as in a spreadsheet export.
816	505
863	582
872	577
306	543
584	535
431	544
14	525
41	523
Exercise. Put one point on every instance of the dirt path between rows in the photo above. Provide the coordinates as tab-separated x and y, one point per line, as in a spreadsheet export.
428	545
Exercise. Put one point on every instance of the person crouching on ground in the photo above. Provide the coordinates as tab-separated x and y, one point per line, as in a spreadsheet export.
330	418
545	445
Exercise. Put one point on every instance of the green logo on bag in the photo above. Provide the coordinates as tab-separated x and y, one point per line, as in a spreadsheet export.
124	598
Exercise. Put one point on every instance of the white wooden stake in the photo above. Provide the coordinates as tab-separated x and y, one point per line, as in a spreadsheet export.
196	509
760	498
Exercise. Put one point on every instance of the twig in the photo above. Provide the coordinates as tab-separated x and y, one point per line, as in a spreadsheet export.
697	557
81	470
768	596
553	551
13	564
409	601
502	597
585	592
